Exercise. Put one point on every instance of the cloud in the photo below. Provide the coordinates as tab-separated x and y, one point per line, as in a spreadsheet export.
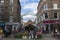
29	9
24	1
31	6
30	13
33	12
34	0
25	20
29	19
30	16
22	13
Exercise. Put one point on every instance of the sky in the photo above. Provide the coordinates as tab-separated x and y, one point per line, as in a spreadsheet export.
29	9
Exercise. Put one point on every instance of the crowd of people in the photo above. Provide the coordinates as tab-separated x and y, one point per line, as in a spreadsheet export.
32	33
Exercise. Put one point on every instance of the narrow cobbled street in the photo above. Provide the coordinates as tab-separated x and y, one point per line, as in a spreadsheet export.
49	37
45	37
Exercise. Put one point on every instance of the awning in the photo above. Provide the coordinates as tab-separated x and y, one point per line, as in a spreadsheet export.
2	24
51	22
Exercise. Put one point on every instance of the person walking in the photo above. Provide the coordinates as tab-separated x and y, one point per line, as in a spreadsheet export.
15	31
1	33
7	32
34	33
31	34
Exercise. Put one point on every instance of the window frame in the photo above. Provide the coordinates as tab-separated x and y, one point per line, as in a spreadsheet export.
11	2
10	18
45	6
57	16
45	15
55	6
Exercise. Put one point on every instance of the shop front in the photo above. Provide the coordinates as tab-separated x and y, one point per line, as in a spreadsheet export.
52	25
2	25
11	26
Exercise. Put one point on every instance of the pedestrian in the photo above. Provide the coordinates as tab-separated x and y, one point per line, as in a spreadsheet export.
15	31
31	34
7	32
55	33
34	33
1	33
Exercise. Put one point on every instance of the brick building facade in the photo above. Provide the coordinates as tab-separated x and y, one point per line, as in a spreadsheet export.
48	14
10	13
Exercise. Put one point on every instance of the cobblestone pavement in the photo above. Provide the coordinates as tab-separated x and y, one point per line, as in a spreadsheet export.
48	37
45	37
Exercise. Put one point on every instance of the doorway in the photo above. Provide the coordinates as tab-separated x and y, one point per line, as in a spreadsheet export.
47	27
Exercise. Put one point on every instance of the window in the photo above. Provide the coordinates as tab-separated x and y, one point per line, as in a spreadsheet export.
39	19
43	16
50	0
11	9
55	15
1	1
11	2
46	16
0	18
46	6
1	9
44	0
47	27
10	18
55	6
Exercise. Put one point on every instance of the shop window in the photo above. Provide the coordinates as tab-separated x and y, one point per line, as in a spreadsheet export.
51	27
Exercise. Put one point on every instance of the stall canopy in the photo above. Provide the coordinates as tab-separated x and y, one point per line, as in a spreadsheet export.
29	27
